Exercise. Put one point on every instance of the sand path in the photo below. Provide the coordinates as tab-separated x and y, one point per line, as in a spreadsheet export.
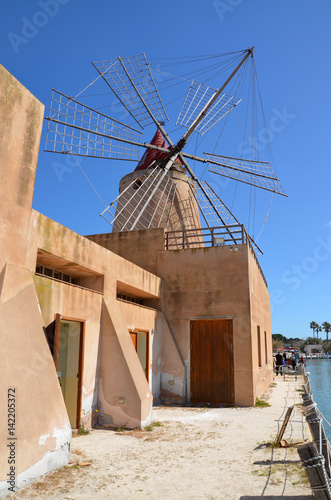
197	453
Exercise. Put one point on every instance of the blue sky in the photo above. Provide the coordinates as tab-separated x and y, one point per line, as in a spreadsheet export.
50	44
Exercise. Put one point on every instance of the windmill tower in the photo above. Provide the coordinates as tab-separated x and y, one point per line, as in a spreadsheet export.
173	205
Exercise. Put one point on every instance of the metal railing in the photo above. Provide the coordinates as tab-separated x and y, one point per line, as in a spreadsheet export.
235	234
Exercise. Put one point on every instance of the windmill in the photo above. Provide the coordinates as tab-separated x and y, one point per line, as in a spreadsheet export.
148	198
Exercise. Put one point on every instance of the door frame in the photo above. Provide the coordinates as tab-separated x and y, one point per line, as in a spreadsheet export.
58	318
137	330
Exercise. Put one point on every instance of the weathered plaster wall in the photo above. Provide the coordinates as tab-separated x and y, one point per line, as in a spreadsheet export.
42	427
139	247
142	318
205	282
60	241
28	302
166	367
124	395
260	313
173	383
210	283
114	373
21	116
74	302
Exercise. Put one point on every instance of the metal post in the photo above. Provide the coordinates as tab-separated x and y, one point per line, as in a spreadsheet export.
211	101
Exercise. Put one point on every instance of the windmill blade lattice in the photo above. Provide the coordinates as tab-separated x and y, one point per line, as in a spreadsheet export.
145	203
256	173
75	128
131	80
196	99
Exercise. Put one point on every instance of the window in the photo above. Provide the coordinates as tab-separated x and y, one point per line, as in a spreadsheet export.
137	184
52	273
60	269
48	272
128	298
266	348
259	346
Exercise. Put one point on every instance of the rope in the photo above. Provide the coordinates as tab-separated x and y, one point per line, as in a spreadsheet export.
264	119
309	408
83	172
266	217
88	180
313	420
324	418
197	73
321	465
313	459
79	93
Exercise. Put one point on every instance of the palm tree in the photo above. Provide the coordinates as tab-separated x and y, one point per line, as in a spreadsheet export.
313	326
327	328
318	329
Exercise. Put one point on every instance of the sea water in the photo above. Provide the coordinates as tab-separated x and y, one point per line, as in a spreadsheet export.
320	383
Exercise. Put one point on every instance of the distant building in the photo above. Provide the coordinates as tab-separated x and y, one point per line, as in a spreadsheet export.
313	349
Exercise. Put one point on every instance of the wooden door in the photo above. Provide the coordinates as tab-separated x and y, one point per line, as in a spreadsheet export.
65	338
212	377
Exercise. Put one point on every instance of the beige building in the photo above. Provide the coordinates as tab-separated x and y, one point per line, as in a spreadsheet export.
314	350
94	329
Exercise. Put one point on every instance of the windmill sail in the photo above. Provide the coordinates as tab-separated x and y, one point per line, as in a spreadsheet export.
196	99
252	172
131	80
75	128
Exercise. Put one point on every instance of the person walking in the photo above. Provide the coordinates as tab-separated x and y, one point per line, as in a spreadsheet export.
279	362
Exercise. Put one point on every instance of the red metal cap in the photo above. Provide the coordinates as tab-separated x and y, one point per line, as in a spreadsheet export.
152	154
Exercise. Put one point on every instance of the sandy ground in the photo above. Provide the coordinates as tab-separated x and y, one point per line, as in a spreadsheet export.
196	453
